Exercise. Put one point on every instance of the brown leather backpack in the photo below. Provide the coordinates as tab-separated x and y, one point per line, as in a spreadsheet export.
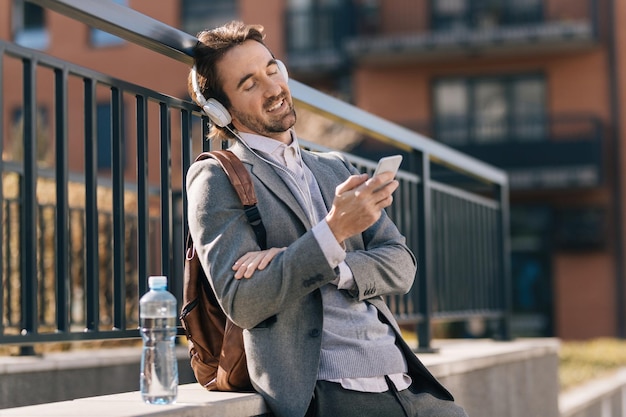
216	350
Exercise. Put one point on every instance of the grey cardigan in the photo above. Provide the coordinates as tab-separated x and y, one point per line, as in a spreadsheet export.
281	306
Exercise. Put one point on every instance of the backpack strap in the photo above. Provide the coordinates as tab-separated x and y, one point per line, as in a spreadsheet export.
242	183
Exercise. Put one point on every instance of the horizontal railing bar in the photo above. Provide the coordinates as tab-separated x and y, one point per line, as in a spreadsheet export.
465	195
466	314
128	24
47	61
357	160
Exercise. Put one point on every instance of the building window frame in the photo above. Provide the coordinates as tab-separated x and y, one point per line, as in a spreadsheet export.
29	25
483	14
490	109
198	15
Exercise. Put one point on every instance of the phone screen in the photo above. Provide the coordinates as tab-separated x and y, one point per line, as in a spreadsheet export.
388	163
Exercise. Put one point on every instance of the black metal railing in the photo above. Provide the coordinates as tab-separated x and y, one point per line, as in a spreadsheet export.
154	116
49	313
459	234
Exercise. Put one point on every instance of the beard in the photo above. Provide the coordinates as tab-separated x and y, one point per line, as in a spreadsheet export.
269	126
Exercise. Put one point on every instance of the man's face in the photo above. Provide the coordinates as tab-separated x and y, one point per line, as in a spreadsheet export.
259	96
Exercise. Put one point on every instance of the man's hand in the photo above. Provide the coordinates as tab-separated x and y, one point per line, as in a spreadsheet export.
358	203
253	261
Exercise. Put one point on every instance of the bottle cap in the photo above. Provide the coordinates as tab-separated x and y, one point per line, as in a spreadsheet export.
157	281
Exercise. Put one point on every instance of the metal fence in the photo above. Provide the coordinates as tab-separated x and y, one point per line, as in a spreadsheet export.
453	209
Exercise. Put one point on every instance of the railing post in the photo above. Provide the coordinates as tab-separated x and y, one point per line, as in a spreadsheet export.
3	263
119	241
505	257
28	187
180	204
143	216
425	247
92	274
166	190
62	205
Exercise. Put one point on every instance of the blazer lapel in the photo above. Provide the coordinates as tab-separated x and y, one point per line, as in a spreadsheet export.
325	176
272	181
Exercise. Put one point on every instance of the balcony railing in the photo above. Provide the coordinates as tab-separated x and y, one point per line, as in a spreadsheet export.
560	151
406	27
477	14
460	237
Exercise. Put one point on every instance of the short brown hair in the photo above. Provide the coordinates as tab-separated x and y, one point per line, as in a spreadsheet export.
211	47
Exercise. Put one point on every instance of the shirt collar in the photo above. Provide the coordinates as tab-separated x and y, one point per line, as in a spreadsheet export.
272	147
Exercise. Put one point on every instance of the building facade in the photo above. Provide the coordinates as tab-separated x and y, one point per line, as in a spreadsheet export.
531	86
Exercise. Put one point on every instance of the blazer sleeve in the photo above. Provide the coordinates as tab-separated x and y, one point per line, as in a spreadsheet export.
381	262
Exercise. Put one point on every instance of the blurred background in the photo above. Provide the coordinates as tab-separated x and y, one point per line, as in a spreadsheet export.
534	87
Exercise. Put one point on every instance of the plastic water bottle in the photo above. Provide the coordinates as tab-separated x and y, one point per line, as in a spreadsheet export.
159	369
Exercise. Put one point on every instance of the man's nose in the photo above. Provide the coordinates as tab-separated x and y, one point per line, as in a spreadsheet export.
273	87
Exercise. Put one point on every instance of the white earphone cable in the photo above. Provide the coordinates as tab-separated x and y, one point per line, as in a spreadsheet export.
308	200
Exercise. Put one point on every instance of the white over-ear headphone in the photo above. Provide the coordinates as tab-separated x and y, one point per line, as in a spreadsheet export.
213	108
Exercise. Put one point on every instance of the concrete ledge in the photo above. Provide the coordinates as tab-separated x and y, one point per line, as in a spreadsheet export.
488	379
602	397
498	379
193	401
53	377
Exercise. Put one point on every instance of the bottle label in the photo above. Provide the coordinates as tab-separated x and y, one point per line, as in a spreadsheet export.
158	322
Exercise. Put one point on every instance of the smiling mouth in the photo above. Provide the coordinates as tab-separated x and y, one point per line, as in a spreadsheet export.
276	106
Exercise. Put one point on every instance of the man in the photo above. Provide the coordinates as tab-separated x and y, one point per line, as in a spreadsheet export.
319	339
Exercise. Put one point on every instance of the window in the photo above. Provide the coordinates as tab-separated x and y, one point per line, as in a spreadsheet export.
198	15
489	110
300	26
100	38
454	14
317	25
450	14
29	25
451	110
525	11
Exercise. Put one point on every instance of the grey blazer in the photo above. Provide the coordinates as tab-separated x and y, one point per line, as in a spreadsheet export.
280	308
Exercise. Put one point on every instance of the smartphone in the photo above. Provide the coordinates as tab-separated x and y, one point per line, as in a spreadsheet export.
388	164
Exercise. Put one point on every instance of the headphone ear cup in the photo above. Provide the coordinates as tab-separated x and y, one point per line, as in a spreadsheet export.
217	112
283	69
